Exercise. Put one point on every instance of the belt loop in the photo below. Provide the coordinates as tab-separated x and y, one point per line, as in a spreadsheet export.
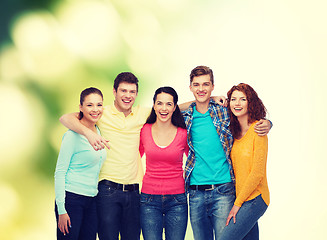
212	188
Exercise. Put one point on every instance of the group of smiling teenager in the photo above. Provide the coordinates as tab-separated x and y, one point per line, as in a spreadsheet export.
97	190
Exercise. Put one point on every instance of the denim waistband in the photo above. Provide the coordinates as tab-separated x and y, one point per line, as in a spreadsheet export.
206	187
118	186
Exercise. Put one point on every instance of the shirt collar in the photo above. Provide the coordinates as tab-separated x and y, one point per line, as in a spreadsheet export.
189	111
115	111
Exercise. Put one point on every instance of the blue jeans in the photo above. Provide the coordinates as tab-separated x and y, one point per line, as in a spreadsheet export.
118	213
209	210
246	226
164	211
83	217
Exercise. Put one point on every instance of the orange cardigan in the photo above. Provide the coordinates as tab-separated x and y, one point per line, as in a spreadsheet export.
249	157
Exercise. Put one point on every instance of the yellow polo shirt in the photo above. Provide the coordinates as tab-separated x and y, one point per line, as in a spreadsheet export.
123	163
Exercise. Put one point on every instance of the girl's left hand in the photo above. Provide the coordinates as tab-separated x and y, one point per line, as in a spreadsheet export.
232	214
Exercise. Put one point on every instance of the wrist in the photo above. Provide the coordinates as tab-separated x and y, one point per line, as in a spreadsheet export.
86	131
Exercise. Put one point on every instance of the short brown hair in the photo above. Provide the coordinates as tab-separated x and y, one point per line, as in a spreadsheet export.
199	71
127	77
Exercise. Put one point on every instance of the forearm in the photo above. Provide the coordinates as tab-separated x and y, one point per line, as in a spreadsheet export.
250	185
184	106
72	122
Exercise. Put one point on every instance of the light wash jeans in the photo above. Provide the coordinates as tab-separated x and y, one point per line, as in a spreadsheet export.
246	226
209	210
167	212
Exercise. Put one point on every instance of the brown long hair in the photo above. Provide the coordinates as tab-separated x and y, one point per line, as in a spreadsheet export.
256	109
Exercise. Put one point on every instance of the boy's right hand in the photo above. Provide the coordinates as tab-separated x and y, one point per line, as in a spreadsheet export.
97	142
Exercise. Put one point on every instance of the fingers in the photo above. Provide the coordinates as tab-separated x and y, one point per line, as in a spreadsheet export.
64	223
63	228
66	229
228	220
98	146
70	224
101	144
258	124
261	128
230	216
106	144
261	132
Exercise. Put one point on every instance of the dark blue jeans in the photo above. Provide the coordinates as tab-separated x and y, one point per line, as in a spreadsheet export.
83	217
246	226
164	211
209	210
118	213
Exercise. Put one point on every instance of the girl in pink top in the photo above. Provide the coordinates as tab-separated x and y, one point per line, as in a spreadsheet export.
164	140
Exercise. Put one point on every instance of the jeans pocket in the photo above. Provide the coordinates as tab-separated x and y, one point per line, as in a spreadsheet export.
226	189
145	198
105	191
192	193
180	198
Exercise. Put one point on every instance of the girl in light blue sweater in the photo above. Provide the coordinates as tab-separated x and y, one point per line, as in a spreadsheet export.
77	172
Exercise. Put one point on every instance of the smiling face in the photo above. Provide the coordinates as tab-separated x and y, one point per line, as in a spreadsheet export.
92	108
239	104
125	97
201	87
164	107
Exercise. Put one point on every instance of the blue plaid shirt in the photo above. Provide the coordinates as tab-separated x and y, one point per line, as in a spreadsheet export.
221	121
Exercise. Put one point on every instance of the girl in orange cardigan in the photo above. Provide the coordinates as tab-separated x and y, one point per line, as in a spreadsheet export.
249	158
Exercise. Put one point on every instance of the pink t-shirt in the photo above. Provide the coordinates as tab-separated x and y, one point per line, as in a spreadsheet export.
164	166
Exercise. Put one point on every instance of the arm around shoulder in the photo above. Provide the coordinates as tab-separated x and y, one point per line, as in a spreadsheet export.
184	106
72	122
263	127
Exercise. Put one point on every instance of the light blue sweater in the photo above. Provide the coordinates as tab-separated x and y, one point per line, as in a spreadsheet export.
77	169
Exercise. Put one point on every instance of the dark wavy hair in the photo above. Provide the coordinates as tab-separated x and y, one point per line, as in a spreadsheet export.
127	77
84	94
177	118
256	109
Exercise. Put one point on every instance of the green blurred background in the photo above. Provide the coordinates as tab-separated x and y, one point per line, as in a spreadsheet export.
51	50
